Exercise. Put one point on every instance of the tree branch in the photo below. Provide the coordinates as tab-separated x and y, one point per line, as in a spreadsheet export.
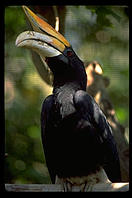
100	187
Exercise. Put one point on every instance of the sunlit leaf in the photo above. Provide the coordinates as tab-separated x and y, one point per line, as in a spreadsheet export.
121	114
33	132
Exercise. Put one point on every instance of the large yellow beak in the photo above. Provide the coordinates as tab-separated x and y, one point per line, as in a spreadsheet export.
39	25
44	40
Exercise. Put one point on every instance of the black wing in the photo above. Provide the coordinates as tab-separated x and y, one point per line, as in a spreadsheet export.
90	111
45	132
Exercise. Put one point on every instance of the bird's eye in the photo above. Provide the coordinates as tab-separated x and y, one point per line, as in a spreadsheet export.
69	53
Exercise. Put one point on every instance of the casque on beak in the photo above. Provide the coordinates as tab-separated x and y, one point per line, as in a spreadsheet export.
45	40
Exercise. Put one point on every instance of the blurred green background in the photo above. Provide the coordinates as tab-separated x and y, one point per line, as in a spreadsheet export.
96	33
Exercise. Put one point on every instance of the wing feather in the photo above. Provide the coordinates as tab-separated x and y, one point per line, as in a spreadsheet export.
90	111
45	133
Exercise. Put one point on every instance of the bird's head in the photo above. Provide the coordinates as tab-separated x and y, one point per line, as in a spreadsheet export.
54	49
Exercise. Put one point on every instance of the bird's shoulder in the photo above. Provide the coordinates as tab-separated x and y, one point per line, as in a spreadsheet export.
80	94
46	106
47	102
90	110
84	103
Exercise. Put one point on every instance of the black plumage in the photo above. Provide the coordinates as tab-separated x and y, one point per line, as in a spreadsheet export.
76	136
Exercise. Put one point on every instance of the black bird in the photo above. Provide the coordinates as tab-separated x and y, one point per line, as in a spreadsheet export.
78	142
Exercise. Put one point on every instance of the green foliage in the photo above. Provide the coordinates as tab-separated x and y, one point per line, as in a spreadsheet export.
96	33
121	114
102	13
14	21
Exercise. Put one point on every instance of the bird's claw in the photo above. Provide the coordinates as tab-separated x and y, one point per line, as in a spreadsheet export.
67	186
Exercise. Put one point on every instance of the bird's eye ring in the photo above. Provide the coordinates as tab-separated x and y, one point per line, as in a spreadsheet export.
69	53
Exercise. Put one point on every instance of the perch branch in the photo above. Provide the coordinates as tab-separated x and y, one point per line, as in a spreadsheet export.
100	187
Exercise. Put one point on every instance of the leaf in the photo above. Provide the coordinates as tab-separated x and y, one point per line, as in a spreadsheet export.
104	11
103	21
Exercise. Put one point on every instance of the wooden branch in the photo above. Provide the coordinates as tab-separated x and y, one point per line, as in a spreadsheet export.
100	187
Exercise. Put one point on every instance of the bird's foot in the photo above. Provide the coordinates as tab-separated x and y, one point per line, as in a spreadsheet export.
67	186
86	187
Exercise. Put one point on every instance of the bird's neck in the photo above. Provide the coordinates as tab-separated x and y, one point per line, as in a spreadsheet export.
73	86
76	78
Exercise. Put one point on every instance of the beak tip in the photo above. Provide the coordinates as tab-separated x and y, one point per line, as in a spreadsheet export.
26	10
16	42
24	7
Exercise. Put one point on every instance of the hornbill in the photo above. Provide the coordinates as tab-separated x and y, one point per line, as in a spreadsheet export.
77	139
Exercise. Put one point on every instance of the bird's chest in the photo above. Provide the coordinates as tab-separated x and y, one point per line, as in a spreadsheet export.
63	110
64	104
